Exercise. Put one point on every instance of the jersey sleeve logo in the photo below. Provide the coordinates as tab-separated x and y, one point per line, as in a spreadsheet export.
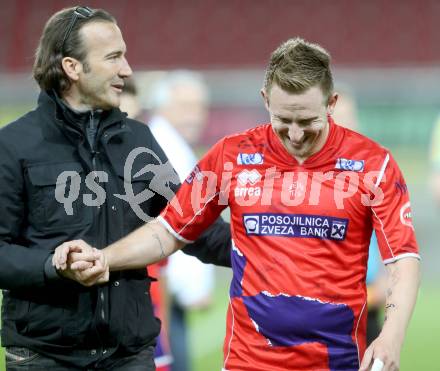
406	216
195	174
401	187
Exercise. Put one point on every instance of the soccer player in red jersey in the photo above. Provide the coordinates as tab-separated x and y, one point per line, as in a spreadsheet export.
305	195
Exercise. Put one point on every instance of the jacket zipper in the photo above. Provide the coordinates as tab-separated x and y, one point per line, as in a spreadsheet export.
92	129
100	296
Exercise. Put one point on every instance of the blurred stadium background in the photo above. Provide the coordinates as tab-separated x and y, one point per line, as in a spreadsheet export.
387	53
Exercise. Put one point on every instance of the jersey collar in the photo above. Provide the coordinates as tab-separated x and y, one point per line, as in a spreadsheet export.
327	152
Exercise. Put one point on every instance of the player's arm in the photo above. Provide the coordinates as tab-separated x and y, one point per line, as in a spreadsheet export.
146	245
182	222
402	287
392	221
213	246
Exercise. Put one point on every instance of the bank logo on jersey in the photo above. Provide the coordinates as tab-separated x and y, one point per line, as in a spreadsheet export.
350	165
295	225
250	159
338	230
251	224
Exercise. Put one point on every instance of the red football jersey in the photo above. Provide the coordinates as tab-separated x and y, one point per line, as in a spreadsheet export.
300	243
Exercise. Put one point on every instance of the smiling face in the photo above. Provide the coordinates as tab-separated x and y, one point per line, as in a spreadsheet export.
100	79
300	119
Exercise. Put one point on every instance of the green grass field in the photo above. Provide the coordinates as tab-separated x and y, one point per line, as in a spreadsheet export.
208	329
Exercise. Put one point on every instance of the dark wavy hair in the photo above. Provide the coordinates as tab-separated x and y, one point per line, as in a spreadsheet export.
47	69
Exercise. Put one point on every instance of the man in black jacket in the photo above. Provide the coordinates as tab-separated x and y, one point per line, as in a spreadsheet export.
77	168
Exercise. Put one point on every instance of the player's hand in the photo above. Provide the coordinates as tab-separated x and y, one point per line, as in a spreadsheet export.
64	254
384	348
80	262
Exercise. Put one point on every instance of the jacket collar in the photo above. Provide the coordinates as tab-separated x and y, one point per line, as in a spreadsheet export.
55	108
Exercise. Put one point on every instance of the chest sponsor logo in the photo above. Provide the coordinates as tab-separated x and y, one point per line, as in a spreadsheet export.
246	180
350	165
296	225
250	159
250	177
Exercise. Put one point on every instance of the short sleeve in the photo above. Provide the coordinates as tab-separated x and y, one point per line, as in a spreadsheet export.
392	219
200	199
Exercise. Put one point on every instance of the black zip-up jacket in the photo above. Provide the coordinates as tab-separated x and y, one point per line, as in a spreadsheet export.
40	310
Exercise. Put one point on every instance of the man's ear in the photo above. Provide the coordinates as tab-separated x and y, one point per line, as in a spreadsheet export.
332	103
265	98
72	67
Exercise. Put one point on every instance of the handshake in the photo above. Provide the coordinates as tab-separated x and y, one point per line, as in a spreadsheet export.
78	261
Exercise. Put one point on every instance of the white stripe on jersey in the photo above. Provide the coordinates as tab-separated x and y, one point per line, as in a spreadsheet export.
402	256
172	231
356	333
382	170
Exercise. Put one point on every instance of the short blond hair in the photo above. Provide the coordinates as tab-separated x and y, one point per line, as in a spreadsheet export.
297	65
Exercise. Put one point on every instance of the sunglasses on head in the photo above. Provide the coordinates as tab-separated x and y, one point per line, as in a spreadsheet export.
79	12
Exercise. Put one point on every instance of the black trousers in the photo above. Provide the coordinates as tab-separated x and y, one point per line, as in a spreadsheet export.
23	359
179	338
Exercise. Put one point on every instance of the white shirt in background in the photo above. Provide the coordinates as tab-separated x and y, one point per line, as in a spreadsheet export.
189	280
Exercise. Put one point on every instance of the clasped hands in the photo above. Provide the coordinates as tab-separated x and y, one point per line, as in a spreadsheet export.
80	262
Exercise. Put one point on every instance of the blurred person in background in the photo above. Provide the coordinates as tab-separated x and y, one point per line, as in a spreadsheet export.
435	162
62	179
291	256
346	115
179	109
162	354
130	103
